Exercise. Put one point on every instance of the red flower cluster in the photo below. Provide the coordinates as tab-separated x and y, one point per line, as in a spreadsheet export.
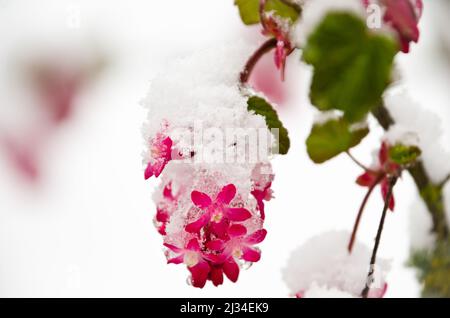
218	239
217	234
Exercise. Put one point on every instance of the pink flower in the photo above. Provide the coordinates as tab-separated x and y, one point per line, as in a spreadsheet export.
274	27
371	178
192	256
163	209
161	154
217	214
403	16
238	245
378	292
261	196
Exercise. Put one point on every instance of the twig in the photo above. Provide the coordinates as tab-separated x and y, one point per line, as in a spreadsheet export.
443	183
265	48
360	212
357	161
392	182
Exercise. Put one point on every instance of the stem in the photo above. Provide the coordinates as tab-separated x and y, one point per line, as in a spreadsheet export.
435	202
262	9
357	161
443	183
265	48
392	182
360	212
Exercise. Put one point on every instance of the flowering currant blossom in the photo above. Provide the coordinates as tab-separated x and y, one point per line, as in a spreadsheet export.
279	29
380	174
210	202
403	16
161	154
217	214
322	267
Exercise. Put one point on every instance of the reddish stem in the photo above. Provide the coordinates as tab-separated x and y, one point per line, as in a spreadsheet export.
265	48
360	212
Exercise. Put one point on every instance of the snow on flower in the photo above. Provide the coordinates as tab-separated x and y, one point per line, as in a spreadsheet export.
161	154
322	267
210	201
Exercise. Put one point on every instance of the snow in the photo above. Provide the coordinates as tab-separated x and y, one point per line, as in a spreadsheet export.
324	261
415	125
420	226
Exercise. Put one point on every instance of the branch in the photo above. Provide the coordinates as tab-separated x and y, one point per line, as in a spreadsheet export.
360	212
431	193
443	183
265	48
392	182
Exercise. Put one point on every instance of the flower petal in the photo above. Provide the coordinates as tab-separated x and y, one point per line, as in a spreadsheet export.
367	179
219	229
231	270
162	216
193	245
196	226
383	155
251	255
227	194
215	245
384	193
216	275
167	146
237	230
200	274
173	248
259	196
238	214
256	237
148	171
176	260
378	292
200	199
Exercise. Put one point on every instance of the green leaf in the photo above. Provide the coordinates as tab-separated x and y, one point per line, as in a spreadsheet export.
249	10
329	139
352	66
261	107
404	155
